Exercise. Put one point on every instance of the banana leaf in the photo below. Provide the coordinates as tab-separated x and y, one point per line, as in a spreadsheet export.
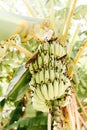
35	123
18	85
10	22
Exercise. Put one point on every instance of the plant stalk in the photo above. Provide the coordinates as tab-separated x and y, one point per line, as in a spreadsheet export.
58	117
71	116
76	112
49	121
78	56
70	46
30	10
20	48
80	52
52	15
40	6
68	20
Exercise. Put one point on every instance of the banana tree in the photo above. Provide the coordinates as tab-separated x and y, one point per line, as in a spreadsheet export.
49	79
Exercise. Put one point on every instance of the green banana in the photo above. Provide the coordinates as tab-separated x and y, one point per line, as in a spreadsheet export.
46	75
56	88
37	78
42	76
31	69
44	90
62	51
51	49
39	93
40	62
37	98
50	91
50	73
46	48
46	60
35	66
40	107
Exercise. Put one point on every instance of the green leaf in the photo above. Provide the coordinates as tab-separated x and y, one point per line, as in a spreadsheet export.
36	123
17	113
19	84
2	103
80	12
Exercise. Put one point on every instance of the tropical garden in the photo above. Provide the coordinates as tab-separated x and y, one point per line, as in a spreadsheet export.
43	65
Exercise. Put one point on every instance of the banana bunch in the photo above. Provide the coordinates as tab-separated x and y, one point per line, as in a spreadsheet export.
49	79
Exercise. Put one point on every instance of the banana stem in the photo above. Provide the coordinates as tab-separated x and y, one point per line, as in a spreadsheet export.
72	40
30	10
49	121
20	48
58	117
76	112
67	24
71	116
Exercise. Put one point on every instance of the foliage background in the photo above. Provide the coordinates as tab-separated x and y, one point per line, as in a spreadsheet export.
13	59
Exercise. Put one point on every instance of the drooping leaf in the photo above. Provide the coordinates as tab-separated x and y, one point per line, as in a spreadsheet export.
19	84
10	23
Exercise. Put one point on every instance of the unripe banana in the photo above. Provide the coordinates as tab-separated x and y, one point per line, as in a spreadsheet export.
62	51
31	69
40	61
52	63
46	48
64	69
44	90
56	89
57	75
56	50
37	98
40	106
35	66
51	49
50	91
49	75
52	74
46	76
42	76
37	78
46	60
62	88
56	64
39	93
68	83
